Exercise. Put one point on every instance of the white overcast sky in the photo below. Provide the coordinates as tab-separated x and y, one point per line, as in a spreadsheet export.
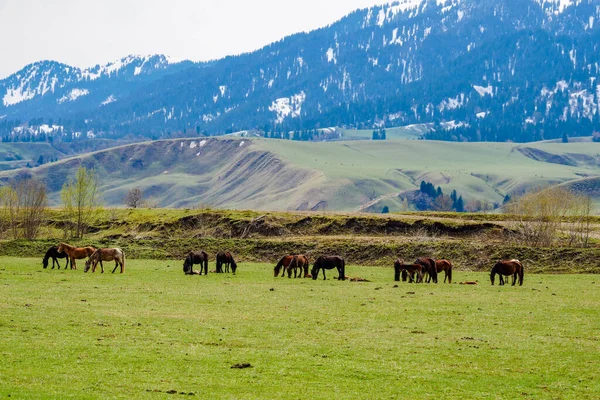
84	33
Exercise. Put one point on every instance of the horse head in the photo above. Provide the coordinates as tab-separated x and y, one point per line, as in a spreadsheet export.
88	264
61	248
493	275
314	272
233	266
276	270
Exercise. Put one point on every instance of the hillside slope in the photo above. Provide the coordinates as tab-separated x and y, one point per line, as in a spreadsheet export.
271	174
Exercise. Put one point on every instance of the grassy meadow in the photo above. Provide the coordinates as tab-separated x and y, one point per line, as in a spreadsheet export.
154	331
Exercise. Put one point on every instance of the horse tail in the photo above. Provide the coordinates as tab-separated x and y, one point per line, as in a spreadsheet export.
449	273
521	274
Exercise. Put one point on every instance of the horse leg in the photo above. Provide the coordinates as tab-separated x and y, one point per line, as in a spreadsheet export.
324	277
116	265
73	263
101	267
514	278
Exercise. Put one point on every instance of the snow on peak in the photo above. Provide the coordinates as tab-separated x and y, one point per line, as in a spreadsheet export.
288	106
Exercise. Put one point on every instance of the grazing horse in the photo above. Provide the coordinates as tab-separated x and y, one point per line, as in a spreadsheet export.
507	268
428	268
446	266
282	264
286	261
54	254
407	270
298	264
329	262
75	253
225	257
100	255
196	257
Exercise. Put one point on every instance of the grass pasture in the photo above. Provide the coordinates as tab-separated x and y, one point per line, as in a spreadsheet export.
66	334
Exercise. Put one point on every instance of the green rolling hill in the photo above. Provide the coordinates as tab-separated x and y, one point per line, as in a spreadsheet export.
358	175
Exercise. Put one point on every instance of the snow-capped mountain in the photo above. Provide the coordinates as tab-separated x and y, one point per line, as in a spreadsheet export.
477	69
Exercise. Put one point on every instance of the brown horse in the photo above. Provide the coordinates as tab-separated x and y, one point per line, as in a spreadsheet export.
429	268
329	262
100	255
507	268
225	257
196	257
75	253
299	264
54	255
284	265
446	266
407	270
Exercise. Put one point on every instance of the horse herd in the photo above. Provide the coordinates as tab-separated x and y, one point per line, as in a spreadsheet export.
424	269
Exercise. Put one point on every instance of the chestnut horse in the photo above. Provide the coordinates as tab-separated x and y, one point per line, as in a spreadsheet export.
100	255
283	263
196	257
298	264
407	270
428	268
75	253
507	268
225	257
329	262
54	254
446	266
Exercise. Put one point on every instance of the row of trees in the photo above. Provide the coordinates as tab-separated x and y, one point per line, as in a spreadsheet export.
24	205
430	198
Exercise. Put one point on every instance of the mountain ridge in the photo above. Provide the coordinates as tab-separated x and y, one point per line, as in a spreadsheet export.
471	65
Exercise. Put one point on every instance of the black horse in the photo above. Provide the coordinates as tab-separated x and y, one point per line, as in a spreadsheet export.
54	254
225	258
429	268
329	262
195	257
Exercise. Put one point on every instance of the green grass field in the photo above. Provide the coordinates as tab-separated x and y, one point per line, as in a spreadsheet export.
66	334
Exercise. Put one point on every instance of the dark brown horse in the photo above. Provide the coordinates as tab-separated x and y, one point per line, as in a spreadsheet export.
54	254
225	258
299	265
508	268
446	266
284	265
407	270
100	255
428	268
195	257
75	253
329	262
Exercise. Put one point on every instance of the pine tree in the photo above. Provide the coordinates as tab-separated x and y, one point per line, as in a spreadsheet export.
459	206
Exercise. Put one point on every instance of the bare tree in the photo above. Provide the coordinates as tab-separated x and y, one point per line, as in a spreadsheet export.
8	210
33	206
81	200
134	198
543	215
23	208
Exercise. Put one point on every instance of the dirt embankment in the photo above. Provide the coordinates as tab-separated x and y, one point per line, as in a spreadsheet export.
362	239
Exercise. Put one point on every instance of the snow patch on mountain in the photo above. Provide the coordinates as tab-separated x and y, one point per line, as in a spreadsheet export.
556	7
109	99
288	106
489	90
73	95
